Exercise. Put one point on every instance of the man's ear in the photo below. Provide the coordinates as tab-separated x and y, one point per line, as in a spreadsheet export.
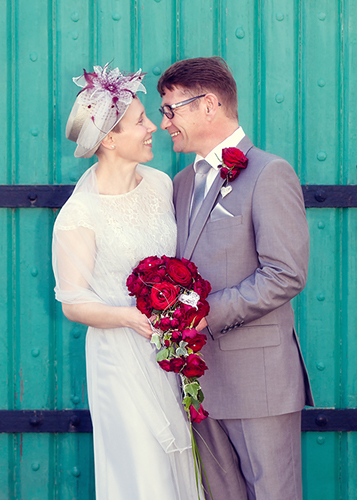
211	105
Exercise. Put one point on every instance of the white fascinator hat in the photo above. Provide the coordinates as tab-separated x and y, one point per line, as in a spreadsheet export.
105	96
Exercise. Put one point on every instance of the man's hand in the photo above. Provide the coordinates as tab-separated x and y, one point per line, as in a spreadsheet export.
201	325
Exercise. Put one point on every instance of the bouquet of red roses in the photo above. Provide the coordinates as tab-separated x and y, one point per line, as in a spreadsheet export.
172	293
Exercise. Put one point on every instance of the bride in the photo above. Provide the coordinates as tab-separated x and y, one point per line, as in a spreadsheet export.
119	213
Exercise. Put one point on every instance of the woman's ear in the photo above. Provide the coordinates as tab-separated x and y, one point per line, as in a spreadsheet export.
108	142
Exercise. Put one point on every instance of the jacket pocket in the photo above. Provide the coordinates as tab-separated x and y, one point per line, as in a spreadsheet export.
216	225
250	337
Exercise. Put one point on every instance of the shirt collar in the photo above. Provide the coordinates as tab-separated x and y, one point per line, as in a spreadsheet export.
214	157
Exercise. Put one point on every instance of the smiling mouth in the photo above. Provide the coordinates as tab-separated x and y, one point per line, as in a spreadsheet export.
148	142
175	134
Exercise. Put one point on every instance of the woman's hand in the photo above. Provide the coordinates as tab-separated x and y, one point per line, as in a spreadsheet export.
138	322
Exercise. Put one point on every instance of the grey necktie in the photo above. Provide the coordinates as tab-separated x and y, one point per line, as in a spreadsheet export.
202	169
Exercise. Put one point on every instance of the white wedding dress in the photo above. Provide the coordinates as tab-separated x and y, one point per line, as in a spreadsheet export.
142	442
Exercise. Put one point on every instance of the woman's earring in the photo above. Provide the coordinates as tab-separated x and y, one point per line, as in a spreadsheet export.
113	147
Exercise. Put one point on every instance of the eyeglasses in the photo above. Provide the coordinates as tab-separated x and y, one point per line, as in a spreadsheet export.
168	110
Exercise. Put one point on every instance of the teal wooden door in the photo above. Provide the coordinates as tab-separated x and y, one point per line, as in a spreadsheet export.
295	66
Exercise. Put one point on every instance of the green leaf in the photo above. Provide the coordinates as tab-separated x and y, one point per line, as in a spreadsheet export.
192	389
163	354
155	339
181	352
187	401
200	396
196	404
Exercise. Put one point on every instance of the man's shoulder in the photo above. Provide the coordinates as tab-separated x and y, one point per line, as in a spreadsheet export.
183	173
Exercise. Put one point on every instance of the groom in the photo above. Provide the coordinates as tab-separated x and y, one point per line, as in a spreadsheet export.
248	236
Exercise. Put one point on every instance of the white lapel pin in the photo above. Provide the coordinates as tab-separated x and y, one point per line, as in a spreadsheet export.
225	190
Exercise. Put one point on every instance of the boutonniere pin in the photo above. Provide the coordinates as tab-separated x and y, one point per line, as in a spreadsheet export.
233	161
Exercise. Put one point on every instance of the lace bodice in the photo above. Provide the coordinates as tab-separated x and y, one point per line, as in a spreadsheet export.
127	228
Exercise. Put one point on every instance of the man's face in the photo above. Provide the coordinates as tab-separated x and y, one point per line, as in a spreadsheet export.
185	127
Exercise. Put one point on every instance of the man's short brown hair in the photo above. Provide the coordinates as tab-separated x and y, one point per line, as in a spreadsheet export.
200	75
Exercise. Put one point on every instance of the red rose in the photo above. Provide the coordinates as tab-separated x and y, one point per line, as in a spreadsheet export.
194	339
198	416
202	287
165	365
149	264
174	323
197	314
191	266
165	324
134	284
143	303
176	364
233	161
176	336
195	366
179	272
163	295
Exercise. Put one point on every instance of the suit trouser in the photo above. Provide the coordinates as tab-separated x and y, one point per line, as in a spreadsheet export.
254	459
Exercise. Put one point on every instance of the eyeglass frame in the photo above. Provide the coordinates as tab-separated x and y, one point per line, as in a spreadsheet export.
171	107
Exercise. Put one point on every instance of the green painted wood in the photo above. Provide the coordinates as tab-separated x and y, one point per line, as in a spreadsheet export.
295	66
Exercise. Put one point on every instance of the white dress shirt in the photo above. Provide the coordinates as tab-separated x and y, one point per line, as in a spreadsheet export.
214	158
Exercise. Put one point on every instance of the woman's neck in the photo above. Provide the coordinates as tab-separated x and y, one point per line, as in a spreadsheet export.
116	177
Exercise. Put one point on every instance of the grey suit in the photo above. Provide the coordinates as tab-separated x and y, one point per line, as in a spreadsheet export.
256	261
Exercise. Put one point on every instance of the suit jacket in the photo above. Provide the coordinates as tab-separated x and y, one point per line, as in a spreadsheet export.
256	260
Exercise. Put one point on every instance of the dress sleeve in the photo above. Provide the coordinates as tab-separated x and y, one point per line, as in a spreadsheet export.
74	254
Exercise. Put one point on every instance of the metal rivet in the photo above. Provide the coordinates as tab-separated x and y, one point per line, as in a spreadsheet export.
156	70
35	352
75	420
34	272
33	56
35	466
116	16
75	35
157	1
321	82
76	332
240	33
320	196
322	16
279	98
320	297
35	131
75	472
321	420
73	176
35	421
320	440
279	16
321	156
75	16
320	366
32	197
321	225
75	400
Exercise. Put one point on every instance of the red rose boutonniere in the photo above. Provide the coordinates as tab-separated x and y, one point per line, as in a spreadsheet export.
233	161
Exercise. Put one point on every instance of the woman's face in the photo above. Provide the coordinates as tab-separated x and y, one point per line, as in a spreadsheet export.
134	142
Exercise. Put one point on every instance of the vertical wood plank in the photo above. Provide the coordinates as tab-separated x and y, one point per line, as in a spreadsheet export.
321	466
321	92
321	339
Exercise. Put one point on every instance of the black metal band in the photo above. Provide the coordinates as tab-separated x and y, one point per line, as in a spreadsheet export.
48	196
52	421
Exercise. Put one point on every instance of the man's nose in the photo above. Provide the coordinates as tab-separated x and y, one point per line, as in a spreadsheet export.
165	122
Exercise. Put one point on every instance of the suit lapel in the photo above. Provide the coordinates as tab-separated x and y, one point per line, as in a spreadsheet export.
202	216
183	203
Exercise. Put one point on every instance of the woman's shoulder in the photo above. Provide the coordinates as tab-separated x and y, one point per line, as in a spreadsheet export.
150	173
